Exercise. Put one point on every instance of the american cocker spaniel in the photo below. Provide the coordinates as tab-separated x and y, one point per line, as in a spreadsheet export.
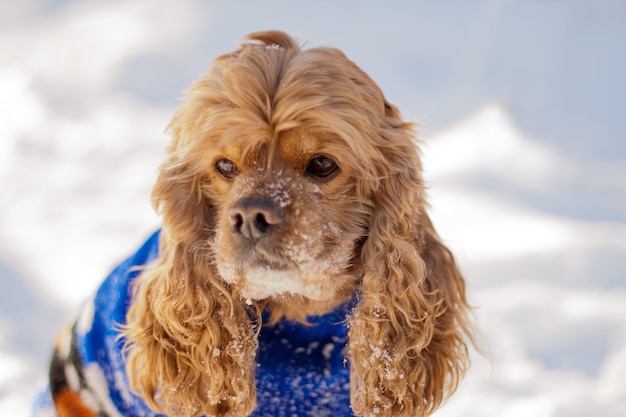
296	272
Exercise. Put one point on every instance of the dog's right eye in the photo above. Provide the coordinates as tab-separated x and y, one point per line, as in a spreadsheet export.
321	167
226	168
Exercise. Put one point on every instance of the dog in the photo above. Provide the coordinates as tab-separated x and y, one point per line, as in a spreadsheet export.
296	271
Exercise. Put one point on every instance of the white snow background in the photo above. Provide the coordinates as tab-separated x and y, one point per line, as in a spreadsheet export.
522	106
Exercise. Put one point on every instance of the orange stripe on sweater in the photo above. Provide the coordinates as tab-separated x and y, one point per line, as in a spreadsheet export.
69	404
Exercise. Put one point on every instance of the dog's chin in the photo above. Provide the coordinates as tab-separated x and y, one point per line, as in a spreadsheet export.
260	283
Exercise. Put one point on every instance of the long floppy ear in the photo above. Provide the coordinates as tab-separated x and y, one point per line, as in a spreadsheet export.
191	345
407	334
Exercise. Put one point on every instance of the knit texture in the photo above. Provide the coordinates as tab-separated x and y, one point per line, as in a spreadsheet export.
302	369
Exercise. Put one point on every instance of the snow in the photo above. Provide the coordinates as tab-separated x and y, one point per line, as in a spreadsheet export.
262	283
521	110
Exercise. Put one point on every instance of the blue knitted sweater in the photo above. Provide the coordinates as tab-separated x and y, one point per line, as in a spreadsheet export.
302	369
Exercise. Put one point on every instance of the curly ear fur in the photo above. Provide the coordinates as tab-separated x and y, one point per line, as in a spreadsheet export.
191	347
407	346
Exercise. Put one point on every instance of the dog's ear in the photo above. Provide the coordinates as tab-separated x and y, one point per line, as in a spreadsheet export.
190	344
408	331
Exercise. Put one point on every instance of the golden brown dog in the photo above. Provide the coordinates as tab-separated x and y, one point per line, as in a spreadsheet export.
292	187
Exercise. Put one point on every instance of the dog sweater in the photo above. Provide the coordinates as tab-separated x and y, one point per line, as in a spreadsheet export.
302	370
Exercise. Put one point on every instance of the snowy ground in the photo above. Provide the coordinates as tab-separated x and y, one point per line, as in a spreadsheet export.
522	111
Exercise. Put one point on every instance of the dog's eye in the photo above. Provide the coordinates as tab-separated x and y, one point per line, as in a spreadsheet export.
321	167
226	168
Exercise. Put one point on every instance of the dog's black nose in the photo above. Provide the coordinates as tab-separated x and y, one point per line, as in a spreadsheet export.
254	217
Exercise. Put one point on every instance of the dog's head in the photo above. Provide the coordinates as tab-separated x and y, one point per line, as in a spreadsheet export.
291	185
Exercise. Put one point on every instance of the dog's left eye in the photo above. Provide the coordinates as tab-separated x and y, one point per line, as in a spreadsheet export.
226	168
321	167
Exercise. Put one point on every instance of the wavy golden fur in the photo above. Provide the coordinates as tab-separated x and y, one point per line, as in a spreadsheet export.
269	121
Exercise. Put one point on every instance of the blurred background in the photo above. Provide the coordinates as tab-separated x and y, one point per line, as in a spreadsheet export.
522	113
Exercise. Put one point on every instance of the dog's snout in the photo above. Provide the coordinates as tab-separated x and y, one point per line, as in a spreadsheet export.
254	217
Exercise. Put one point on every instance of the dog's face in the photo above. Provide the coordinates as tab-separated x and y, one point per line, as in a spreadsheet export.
287	156
284	216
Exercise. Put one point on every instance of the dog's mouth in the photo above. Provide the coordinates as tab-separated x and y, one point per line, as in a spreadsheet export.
259	276
263	282
260	280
